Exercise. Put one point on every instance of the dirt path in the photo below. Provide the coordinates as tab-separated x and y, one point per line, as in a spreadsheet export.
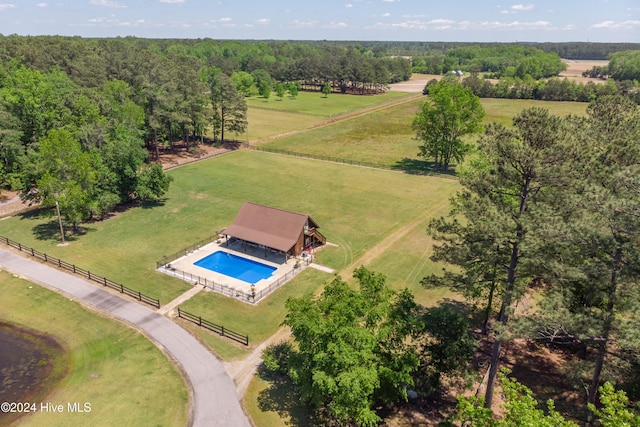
242	371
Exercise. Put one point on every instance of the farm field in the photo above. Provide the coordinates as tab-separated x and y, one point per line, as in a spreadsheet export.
314	103
102	356
385	137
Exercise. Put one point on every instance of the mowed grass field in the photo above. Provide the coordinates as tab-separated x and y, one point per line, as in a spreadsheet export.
386	138
119	372
314	103
356	208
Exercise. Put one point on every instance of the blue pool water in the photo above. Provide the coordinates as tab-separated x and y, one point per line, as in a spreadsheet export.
237	267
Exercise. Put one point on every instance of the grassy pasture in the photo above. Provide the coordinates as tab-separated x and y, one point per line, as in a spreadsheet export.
385	137
265	123
316	104
124	377
356	208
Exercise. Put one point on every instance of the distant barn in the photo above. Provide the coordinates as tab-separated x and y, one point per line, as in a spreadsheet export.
276	229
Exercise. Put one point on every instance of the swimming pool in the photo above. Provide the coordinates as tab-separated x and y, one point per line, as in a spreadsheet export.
235	266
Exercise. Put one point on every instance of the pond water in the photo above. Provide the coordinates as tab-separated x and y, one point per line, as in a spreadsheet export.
27	366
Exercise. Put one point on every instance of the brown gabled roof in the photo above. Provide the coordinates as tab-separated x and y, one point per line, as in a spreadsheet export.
272	227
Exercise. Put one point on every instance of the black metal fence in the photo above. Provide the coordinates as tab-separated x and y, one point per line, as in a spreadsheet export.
219	329
81	272
186	251
253	297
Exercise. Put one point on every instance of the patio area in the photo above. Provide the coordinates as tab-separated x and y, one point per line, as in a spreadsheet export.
185	269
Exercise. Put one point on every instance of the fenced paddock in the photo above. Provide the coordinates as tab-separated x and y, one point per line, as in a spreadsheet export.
81	272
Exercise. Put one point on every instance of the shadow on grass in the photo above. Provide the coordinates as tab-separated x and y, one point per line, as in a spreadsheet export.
421	167
283	397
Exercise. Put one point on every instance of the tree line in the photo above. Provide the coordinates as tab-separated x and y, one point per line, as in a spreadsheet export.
496	61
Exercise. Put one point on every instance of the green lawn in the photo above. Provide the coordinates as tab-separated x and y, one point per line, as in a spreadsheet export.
386	138
123	376
317	104
265	123
356	208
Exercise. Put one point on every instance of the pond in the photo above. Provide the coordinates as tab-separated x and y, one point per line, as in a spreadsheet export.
30	365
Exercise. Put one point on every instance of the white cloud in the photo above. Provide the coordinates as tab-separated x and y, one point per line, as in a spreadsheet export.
226	19
6	6
264	21
107	3
389	1
386	15
42	5
304	24
336	25
522	7
625	25
173	1
348	5
448	24
516	25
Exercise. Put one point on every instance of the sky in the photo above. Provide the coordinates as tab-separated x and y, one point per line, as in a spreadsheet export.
387	20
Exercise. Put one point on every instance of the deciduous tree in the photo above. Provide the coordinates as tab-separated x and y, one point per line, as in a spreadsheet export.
452	113
352	347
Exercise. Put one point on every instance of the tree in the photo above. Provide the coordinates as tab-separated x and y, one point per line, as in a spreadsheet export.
448	346
292	87
264	89
326	90
244	82
64	173
597	241
152	183
520	408
229	106
451	113
502	190
280	89
352	347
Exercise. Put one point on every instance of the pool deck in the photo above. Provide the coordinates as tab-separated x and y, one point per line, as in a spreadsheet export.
186	265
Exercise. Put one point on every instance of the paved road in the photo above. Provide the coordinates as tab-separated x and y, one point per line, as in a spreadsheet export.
214	398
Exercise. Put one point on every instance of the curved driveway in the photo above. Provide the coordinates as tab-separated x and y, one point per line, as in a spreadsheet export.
214	398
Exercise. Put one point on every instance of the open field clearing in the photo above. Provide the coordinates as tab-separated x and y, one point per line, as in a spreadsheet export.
314	103
123	376
265	123
575	68
355	207
386	138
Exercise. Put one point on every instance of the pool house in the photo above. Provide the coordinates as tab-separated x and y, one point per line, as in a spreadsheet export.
273	230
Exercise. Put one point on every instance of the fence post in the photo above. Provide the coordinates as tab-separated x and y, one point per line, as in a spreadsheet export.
45	258
104	281
89	275
121	289
222	330
59	262
20	247
179	312
32	253
74	268
199	320
139	296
